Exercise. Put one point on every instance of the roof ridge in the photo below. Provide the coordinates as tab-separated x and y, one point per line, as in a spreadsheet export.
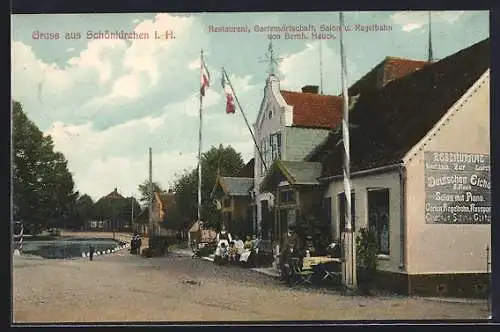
447	75
391	57
309	93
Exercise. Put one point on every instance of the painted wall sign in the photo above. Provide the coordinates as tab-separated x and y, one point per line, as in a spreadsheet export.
457	188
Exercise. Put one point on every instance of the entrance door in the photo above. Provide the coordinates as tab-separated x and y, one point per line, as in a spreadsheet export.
326	221
283	225
265	222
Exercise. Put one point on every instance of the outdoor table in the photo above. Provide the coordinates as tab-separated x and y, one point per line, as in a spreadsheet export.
311	261
322	264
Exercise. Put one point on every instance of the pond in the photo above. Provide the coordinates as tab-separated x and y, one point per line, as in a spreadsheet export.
68	247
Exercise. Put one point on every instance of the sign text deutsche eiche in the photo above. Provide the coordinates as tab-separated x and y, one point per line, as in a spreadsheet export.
457	188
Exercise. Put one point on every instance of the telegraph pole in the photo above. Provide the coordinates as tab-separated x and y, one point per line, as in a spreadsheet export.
132	214
150	207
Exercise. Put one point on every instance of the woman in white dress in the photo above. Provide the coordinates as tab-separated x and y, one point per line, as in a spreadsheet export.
222	237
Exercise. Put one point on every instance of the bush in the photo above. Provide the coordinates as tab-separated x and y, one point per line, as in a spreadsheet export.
147	252
366	256
159	244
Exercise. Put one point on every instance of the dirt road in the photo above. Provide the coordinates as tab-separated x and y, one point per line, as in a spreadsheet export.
122	287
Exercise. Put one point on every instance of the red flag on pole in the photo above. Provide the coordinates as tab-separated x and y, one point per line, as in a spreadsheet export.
230	109
205	77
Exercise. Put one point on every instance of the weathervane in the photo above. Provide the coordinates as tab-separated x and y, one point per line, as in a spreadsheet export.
271	59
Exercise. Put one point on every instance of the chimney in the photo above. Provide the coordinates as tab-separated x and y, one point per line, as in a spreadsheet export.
116	190
310	89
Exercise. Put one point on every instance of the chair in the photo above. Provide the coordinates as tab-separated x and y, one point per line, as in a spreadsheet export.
303	276
330	272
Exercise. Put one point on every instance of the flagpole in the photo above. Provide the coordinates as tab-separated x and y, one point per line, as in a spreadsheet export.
350	268
199	142
320	68
244	116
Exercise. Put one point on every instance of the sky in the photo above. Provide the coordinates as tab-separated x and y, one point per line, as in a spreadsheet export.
106	101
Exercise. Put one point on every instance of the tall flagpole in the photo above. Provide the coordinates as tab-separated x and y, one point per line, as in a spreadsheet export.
244	116
150	189
320	67
200	142
350	266
429	52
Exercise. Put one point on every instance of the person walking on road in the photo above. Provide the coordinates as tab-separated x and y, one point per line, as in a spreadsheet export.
91	252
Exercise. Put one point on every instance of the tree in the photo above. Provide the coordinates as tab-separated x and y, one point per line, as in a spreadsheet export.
118	211
224	161
145	192
84	207
129	211
43	186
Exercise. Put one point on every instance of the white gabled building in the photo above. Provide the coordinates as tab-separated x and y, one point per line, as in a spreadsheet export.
289	125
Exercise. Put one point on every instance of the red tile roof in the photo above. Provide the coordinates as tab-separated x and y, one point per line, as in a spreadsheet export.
322	111
390	121
314	110
391	68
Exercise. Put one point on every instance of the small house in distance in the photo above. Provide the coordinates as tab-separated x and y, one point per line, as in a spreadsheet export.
103	223
421	176
163	202
233	199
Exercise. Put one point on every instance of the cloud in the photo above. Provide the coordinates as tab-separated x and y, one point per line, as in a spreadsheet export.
118	156
415	20
116	98
303	68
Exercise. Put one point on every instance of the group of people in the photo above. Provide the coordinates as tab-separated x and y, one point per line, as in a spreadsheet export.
294	250
135	244
233	250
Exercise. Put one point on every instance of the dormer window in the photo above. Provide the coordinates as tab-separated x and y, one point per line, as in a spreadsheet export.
270	113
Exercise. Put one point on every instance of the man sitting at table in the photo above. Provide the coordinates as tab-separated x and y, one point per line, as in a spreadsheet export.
291	250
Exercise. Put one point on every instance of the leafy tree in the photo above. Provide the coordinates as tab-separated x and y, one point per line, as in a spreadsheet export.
83	210
223	160
131	208
145	191
43	186
117	210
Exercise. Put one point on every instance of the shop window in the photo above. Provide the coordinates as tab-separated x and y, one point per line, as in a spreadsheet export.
342	204
264	151
378	217
291	217
275	142
287	197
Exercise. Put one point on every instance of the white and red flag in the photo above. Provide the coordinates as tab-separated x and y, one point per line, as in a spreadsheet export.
205	77
229	95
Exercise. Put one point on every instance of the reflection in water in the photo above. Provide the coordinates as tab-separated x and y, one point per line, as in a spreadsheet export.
69	248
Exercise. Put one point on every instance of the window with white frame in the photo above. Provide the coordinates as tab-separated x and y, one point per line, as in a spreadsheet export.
264	152
378	217
291	216
275	142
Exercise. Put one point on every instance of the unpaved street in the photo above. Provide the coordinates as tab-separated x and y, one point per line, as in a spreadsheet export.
122	287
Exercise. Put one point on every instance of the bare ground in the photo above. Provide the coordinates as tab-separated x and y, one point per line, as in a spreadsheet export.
121	287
